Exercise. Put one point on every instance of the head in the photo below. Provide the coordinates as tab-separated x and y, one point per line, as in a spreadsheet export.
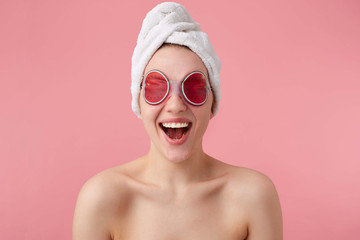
170	23
176	142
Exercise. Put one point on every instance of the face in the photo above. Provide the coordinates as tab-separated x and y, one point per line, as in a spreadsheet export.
176	127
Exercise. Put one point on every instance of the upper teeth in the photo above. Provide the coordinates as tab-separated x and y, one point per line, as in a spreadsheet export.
175	125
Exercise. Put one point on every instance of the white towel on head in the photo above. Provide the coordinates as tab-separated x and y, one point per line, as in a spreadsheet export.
169	22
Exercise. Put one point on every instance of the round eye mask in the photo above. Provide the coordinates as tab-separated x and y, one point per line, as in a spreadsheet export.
194	88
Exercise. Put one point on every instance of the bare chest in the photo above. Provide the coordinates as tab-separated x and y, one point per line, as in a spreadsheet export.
196	217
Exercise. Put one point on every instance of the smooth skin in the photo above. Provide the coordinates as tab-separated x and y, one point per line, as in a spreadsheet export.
177	192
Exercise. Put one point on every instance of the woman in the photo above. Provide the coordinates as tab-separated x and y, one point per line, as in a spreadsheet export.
176	191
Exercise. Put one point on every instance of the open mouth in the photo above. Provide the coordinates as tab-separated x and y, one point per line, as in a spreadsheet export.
176	130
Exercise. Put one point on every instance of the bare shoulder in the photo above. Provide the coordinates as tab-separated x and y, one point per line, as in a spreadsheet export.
104	187
255	184
111	184
258	199
245	180
100	200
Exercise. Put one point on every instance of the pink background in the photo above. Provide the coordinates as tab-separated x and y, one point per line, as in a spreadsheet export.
290	106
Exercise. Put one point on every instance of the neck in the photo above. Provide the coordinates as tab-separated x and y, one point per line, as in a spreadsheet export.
176	175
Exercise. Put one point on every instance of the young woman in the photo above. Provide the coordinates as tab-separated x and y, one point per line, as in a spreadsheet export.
176	191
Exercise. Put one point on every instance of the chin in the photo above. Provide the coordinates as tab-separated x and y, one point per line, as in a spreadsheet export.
177	156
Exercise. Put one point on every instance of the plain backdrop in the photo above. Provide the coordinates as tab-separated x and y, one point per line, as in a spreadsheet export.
290	105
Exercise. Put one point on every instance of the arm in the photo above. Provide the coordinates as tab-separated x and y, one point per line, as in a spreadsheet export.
91	217
265	221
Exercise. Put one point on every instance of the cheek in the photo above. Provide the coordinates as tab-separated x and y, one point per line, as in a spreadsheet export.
148	121
207	111
148	113
203	115
145	109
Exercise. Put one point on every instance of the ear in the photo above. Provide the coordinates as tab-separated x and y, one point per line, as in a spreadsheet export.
139	106
140	113
212	107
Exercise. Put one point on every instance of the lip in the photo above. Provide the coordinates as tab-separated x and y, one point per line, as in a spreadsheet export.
176	120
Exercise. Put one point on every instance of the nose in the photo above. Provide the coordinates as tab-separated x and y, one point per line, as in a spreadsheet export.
175	104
